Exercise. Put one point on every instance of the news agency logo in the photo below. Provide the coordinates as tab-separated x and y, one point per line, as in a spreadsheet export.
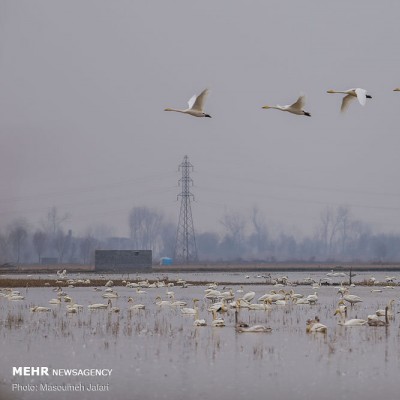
30	371
44	371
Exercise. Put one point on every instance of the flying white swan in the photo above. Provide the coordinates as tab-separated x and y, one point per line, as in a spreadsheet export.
295	108
196	106
351	94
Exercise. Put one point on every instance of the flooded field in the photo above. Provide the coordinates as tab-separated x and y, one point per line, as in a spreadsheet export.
158	353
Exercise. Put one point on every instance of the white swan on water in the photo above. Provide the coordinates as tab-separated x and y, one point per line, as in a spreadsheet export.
190	311
40	309
314	326
136	306
350	322
97	306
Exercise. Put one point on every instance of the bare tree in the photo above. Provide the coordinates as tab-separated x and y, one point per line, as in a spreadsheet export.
18	233
39	243
167	239
329	226
343	218
145	226
235	225
260	235
54	220
62	243
233	243
87	247
207	244
4	248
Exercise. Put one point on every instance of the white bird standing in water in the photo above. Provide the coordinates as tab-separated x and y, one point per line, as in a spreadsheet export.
196	106
351	94
350	322
295	108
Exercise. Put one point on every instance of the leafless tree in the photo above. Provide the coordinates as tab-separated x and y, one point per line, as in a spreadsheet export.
62	242
145	226
54	220
4	248
18	233
328	228
39	240
235	225
260	234
87	247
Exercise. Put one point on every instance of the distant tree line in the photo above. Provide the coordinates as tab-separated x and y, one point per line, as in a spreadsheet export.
338	237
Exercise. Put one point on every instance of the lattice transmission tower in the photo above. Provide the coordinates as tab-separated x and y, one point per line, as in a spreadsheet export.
185	245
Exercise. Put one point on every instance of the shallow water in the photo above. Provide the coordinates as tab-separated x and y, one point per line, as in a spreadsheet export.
157	353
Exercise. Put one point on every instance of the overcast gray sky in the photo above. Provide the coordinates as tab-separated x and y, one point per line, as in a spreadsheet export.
83	85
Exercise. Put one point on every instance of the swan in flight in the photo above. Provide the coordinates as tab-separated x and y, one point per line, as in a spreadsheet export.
196	106
351	94
295	108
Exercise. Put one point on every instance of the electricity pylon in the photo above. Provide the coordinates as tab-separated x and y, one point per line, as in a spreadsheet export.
185	245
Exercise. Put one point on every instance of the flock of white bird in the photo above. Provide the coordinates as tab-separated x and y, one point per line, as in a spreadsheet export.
196	103
217	302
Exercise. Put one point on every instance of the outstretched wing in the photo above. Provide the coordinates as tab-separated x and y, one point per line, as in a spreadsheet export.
198	104
192	100
361	96
346	102
299	104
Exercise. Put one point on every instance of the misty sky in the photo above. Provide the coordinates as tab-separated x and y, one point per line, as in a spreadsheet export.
83	85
